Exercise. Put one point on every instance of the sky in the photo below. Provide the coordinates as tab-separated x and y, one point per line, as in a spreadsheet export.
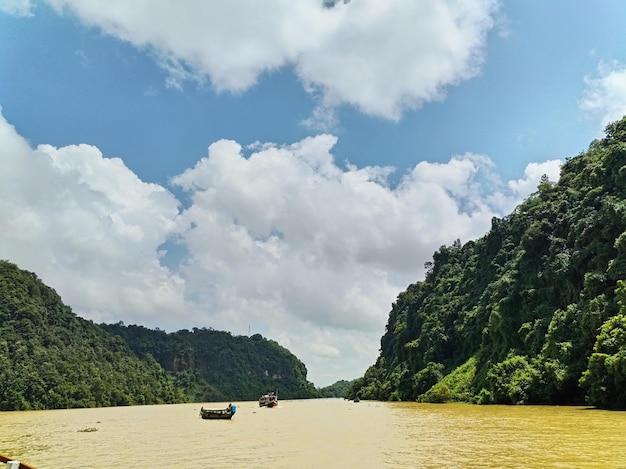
278	167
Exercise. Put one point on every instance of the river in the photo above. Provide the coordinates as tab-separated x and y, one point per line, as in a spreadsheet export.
318	433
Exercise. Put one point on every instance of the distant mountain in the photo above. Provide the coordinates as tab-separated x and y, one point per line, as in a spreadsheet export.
534	312
50	358
214	365
337	389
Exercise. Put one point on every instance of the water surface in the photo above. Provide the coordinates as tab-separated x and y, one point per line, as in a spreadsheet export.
318	433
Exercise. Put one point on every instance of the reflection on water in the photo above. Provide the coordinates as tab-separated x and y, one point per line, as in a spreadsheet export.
318	433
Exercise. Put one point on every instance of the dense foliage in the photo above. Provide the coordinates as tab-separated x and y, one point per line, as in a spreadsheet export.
215	366
50	358
533	312
337	389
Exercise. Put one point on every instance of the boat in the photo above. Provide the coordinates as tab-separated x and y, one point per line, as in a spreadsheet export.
218	414
268	400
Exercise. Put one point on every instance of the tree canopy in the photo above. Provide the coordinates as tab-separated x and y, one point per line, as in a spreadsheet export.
214	365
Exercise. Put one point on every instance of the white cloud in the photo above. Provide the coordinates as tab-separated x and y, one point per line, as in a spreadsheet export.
311	246
279	239
88	226
532	176
605	95
381	57
386	57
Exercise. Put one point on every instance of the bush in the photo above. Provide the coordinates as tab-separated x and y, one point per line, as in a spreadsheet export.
438	394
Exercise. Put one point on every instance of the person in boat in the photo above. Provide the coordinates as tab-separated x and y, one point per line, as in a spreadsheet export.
230	406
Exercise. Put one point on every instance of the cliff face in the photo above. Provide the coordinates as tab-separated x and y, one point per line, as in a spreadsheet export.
529	313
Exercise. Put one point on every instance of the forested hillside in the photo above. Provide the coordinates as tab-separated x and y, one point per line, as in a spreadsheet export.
214	365
50	358
534	312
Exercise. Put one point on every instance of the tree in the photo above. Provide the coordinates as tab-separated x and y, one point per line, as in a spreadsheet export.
605	377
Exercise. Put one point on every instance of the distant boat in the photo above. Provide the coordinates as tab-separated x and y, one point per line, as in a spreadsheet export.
356	399
268	400
218	414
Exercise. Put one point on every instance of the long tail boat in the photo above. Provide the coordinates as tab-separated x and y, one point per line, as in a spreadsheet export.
268	400
218	414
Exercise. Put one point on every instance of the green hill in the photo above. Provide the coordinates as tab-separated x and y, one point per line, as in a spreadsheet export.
50	358
534	312
338	389
214	365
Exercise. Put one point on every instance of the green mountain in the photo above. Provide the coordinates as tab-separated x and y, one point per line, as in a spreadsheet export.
214	365
338	389
50	358
534	312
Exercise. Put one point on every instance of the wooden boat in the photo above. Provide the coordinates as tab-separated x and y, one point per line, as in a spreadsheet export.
5	459
218	414
268	400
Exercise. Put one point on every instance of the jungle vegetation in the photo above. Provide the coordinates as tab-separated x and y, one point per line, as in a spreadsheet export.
50	358
212	365
534	312
338	389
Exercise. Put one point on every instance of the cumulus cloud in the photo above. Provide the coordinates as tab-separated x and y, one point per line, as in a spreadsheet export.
533	173
380	57
88	226
277	239
605	95
318	248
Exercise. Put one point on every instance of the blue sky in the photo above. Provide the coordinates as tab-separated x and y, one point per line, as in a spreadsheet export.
283	168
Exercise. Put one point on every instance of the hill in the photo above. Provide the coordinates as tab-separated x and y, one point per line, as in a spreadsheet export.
50	358
338	389
534	312
214	365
